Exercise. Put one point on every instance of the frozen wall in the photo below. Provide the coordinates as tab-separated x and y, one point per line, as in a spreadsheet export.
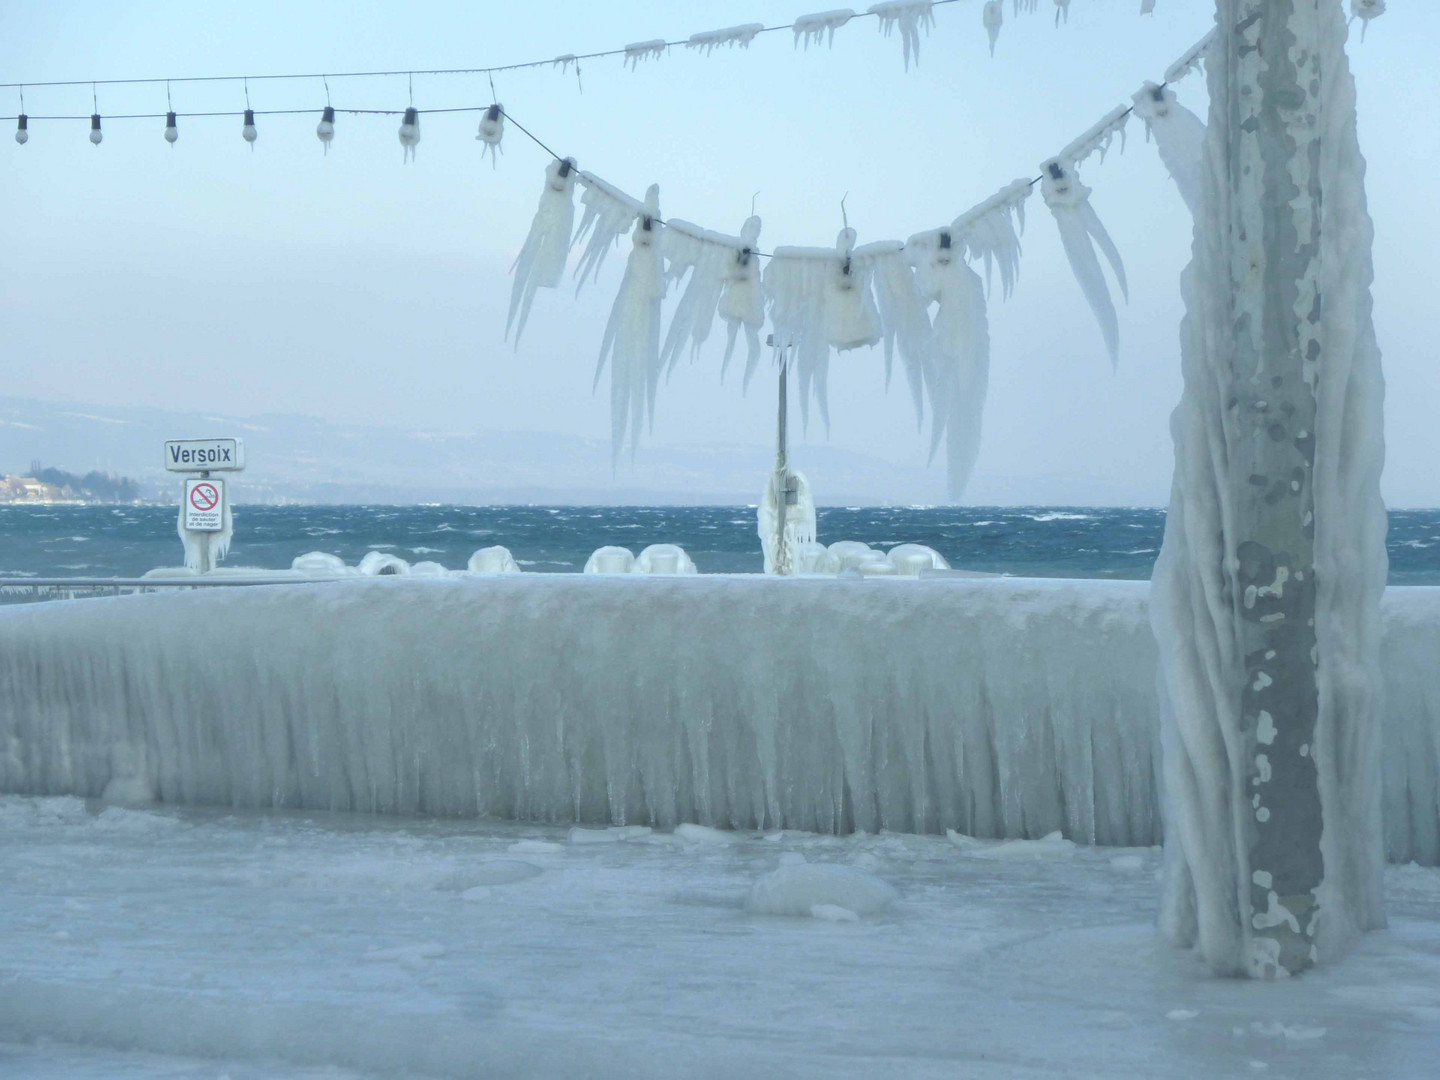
996	708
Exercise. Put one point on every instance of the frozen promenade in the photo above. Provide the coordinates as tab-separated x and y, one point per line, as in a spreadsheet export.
999	708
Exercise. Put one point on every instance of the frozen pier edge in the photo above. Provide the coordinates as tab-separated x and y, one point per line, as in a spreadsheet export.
999	708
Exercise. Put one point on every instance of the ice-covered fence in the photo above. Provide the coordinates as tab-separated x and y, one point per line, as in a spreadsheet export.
997	708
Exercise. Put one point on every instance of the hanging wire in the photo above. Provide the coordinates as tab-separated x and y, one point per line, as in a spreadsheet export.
326	81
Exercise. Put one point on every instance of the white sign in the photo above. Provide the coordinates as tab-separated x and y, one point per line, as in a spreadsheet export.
205	455
204	505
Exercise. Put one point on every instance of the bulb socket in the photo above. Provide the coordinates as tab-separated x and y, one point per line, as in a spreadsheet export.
412	116
327	115
24	124
94	121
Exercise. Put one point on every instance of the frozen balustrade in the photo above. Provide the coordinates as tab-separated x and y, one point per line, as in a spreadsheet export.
997	708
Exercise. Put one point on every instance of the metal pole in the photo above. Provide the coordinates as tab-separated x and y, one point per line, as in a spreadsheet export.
782	468
205	539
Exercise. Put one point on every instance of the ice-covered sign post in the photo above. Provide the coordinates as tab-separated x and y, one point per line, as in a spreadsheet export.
1266	594
205	524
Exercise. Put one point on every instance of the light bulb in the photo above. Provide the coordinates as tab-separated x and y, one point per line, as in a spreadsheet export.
171	131
325	130
96	135
22	130
247	130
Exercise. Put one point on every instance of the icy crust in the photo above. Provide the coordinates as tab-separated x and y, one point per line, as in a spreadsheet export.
997	708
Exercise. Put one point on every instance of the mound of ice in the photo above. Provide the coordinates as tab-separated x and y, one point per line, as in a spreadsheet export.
848	553
611	560
319	564
493	560
129	791
613	835
383	564
1052	846
666	559
428	569
703	834
808	888
910	559
815	558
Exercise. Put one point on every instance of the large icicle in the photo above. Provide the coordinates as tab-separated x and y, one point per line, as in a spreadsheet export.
1267	590
1079	225
541	262
795	288
219	542
958	352
822	24
903	321
1179	135
704	256
710	40
609	212
742	303
910	17
799	522
632	336
991	232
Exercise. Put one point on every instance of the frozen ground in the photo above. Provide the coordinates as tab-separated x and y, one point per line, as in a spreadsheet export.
189	943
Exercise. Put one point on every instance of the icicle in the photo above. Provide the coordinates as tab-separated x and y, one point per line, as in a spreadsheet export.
96	135
1079	225
325	129
710	40
1191	61
911	16
22	129
703	255
994	19
1147	7
608	213
564	62
991	232
172	129
903	319
248	131
541	262
1026	6
1098	138
957	368
795	288
1179	135
1062	8
742	303
492	130
822	24
410	132
644	50
851	318
219	541
632	336
1365	10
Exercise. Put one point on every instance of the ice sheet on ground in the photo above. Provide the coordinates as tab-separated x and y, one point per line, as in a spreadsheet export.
196	944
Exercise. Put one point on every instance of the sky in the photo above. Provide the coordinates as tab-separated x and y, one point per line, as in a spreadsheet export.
358	288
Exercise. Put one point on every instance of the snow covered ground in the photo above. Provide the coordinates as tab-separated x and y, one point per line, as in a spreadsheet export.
196	943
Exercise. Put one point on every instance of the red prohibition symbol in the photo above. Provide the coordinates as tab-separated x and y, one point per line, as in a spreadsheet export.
204	496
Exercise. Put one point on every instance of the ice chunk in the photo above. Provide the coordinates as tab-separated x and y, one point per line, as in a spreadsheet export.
799	889
614	835
833	913
1051	846
493	560
665	559
702	834
610	560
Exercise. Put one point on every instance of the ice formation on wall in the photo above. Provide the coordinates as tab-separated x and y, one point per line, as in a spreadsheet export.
799	523
631	344
541	262
1003	708
909	17
1080	231
1218	590
822	24
710	40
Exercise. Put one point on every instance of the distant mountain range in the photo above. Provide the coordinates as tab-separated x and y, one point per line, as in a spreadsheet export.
302	459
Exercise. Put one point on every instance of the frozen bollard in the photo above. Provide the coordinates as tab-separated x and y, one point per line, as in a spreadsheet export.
815	558
910	559
428	569
383	564
319	564
493	560
850	553
664	559
611	560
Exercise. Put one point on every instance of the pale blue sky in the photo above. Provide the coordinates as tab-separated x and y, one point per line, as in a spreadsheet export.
358	288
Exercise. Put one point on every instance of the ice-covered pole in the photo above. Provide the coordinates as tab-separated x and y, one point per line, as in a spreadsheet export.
1267	590
784	557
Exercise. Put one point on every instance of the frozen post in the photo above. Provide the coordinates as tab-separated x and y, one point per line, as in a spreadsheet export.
784	486
1267	591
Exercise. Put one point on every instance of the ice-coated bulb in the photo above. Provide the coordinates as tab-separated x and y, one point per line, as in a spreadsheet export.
96	135
325	130
22	130
247	129
410	131
172	132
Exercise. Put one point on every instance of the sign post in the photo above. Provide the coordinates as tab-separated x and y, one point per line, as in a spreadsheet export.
203	507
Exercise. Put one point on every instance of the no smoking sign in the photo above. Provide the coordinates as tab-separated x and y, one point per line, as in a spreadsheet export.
204	505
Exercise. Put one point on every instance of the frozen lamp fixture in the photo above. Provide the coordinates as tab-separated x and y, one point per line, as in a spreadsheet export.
325	130
96	135
492	130
172	132
22	129
247	129
410	132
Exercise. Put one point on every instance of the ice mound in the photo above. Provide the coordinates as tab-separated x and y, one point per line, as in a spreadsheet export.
493	560
611	560
383	564
848	553
666	559
1052	846
910	559
428	569
703	834
320	564
489	872
613	835
801	889
815	558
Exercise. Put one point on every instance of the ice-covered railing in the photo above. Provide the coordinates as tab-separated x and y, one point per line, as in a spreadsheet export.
997	708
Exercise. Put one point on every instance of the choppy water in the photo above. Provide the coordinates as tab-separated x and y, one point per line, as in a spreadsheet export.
93	541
